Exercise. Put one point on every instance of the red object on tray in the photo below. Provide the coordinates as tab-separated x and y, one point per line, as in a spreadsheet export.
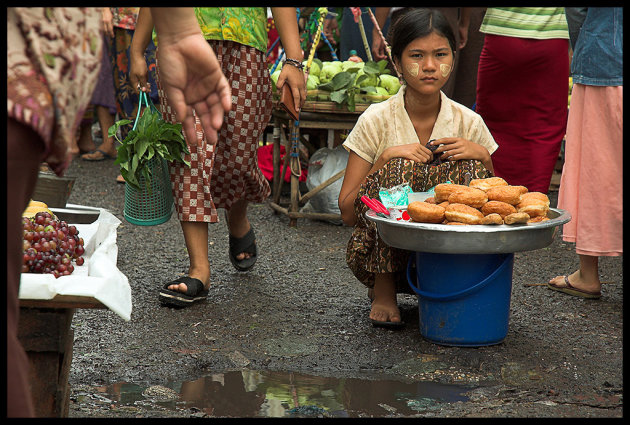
375	205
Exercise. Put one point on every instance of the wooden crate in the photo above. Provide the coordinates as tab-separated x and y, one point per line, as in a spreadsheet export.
54	191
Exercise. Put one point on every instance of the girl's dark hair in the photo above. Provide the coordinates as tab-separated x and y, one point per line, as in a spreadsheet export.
417	23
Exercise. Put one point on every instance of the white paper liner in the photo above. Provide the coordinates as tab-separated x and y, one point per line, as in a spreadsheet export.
98	277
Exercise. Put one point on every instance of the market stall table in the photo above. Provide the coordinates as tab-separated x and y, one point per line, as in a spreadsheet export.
45	334
47	306
314	115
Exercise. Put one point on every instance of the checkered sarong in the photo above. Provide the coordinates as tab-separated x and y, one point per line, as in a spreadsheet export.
228	171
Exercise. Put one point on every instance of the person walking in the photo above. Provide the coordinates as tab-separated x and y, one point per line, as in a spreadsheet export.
591	185
225	174
522	89
103	104
119	24
40	126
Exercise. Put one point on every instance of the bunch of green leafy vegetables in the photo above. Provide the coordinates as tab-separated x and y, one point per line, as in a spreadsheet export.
151	137
346	85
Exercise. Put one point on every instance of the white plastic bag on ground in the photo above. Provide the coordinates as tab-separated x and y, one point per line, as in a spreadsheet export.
324	164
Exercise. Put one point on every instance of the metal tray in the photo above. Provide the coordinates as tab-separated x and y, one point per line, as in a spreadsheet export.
473	239
77	214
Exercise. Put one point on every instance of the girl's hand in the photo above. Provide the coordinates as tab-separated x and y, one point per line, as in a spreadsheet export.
296	79
412	151
456	148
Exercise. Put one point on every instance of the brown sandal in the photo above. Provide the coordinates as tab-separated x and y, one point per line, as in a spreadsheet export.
572	290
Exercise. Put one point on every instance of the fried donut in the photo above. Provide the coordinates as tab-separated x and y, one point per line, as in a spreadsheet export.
485	184
469	196
508	194
516	218
537	219
430	200
444	204
423	212
444	190
523	189
492	218
463	213
455	223
534	208
535	195
498	207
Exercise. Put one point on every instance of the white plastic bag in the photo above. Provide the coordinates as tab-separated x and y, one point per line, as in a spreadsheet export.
324	164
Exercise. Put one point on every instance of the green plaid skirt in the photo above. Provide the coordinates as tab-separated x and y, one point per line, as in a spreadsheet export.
366	253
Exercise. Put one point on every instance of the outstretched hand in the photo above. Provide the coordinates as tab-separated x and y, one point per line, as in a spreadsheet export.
192	79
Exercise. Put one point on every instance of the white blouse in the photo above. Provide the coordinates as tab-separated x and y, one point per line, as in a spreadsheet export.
387	124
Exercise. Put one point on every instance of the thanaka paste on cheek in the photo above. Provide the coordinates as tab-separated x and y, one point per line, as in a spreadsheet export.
413	69
445	69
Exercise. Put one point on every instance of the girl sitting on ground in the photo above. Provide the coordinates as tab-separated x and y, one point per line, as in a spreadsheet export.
388	147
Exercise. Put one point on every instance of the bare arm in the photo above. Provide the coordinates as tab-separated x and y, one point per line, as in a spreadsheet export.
356	172
463	25
138	71
286	23
378	47
358	169
190	72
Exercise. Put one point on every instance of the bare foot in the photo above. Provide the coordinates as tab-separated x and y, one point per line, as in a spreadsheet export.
578	282
385	310
84	142
202	275
384	304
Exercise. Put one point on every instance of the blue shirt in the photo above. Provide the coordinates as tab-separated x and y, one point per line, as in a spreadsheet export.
598	54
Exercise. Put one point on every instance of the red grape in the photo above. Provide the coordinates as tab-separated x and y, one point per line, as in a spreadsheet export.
50	245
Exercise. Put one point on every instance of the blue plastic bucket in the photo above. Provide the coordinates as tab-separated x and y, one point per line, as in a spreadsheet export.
463	299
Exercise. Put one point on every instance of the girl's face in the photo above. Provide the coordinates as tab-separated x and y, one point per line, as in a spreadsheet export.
426	64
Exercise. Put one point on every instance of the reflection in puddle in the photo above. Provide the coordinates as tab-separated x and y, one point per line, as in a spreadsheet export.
249	393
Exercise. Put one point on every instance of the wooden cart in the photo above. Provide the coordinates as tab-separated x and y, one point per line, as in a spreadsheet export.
317	115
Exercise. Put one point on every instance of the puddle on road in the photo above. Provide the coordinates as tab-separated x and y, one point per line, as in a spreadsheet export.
249	393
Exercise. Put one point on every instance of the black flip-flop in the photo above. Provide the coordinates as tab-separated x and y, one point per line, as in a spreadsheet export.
194	292
245	244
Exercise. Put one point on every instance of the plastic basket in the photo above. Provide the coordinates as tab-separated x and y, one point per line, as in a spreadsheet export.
150	207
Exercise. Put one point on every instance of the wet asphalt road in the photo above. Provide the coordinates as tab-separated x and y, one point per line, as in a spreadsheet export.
300	309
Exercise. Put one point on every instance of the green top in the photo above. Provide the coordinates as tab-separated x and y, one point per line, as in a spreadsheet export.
526	22
245	25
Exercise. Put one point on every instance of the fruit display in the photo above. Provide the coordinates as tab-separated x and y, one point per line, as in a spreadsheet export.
34	207
50	245
347	83
483	201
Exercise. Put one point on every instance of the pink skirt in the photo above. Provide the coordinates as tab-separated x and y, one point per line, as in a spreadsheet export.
591	187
